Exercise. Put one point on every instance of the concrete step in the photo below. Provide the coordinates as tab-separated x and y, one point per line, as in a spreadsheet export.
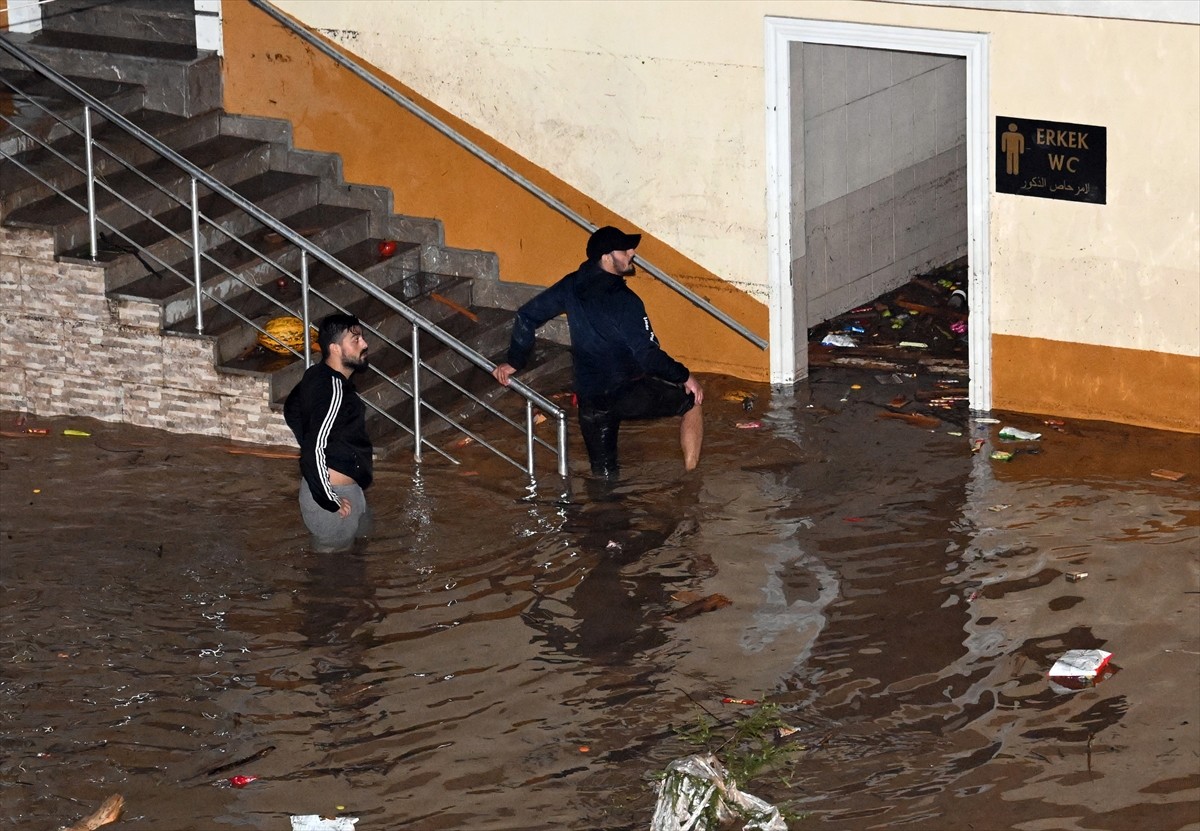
486	330
162	21
436	298
153	187
238	348
552	373
177	77
230	271
35	174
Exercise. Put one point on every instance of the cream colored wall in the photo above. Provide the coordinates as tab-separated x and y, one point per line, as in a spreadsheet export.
655	109
652	108
1126	273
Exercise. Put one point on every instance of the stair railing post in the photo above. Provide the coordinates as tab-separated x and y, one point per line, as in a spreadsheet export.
562	444
304	307
529	437
196	257
416	391
91	181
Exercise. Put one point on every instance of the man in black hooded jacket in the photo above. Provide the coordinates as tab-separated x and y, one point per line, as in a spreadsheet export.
621	372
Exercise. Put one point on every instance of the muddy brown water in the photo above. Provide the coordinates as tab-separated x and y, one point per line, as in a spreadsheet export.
499	657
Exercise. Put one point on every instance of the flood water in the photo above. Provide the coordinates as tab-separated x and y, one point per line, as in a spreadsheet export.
501	658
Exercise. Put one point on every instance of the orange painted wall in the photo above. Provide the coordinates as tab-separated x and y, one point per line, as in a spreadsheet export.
1131	386
270	72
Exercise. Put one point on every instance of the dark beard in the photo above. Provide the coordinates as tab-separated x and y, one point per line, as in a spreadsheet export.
355	364
629	271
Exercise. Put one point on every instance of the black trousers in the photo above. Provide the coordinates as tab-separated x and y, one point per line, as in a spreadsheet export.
600	417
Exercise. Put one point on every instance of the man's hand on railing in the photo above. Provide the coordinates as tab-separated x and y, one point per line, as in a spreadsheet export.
503	373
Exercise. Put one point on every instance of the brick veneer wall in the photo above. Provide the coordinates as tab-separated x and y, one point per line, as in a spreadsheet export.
67	349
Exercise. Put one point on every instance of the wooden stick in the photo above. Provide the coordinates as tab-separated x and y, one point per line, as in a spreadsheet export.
109	811
462	310
266	454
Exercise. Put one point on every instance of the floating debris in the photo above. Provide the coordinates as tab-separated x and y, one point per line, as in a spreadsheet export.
698	794
836	339
316	822
109	811
1078	669
1013	434
698	607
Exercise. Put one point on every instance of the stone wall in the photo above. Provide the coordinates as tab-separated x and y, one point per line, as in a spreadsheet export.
67	349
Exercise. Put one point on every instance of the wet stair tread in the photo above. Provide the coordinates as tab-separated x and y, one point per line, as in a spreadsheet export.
38	95
493	322
108	44
41	89
362	256
214	206
63	163
107	135
56	210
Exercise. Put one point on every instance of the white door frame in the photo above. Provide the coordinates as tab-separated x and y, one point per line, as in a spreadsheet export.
781	33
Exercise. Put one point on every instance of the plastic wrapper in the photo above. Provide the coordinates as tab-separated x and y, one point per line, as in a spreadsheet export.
1079	669
698	794
835	339
316	822
1013	434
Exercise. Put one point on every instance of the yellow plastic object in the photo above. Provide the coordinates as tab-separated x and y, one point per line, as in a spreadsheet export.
284	332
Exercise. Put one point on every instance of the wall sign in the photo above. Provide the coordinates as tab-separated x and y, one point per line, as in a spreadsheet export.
1051	159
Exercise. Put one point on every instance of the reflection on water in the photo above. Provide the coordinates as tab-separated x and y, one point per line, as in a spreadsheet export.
504	657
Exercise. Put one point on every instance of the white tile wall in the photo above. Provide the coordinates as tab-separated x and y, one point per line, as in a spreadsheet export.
882	182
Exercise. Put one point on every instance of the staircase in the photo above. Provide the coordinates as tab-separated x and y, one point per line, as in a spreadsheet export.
117	335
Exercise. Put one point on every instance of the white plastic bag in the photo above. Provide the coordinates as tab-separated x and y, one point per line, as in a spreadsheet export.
695	784
1078	669
835	339
1080	663
1013	434
316	822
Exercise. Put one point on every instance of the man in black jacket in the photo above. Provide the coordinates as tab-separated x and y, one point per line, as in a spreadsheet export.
336	457
621	372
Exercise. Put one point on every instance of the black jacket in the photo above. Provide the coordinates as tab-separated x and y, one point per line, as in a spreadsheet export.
612	341
328	419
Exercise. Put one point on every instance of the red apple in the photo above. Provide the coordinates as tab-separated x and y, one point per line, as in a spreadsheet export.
387	248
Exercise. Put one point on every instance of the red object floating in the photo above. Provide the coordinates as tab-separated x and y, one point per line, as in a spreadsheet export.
387	248
746	701
241	781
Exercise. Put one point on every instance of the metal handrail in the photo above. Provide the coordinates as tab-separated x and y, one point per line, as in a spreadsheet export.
477	151
308	250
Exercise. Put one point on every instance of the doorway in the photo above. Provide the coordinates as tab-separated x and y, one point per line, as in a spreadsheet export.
844	51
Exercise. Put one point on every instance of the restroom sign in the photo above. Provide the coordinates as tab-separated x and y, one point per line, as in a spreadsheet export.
1051	159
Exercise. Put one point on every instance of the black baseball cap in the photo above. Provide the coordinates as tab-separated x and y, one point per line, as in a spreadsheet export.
608	239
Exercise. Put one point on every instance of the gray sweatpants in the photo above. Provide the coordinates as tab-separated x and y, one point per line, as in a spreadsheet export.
331	531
